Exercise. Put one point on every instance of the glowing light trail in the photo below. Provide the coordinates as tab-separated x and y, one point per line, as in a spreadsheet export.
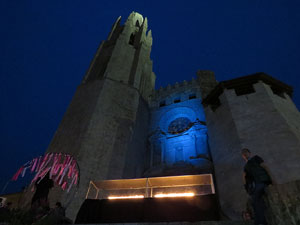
126	197
169	195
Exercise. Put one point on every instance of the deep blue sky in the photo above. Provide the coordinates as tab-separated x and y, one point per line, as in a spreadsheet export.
46	48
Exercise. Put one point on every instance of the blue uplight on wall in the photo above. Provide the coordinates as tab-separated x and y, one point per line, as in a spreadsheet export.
179	135
179	125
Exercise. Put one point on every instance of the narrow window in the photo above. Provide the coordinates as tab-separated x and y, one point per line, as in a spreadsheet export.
137	23
176	100
131	40
162	103
192	96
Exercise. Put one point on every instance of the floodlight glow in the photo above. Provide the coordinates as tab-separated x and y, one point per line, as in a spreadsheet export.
126	197
169	195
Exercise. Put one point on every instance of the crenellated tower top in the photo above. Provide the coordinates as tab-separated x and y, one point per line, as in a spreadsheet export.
125	56
186	90
134	31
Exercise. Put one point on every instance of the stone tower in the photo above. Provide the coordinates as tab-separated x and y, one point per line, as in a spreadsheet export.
254	112
105	125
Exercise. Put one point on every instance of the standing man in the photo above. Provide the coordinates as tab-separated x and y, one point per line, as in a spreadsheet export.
256	179
40	197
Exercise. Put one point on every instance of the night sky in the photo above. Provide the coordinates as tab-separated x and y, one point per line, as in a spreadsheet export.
47	46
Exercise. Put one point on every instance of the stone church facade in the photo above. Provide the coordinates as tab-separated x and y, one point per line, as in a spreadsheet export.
118	126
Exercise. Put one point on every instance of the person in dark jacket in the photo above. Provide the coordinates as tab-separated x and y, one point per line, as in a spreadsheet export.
40	197
256	179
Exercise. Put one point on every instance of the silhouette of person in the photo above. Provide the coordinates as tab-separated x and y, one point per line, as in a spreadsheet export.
40	197
256	179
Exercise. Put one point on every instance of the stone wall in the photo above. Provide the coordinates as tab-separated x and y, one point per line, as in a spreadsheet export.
183	91
283	204
102	143
225	149
251	114
264	126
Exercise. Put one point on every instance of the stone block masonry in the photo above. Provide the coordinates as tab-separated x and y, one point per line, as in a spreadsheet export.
283	204
252	112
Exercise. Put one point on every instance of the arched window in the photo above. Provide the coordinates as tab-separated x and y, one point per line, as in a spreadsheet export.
137	24
179	125
131	39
